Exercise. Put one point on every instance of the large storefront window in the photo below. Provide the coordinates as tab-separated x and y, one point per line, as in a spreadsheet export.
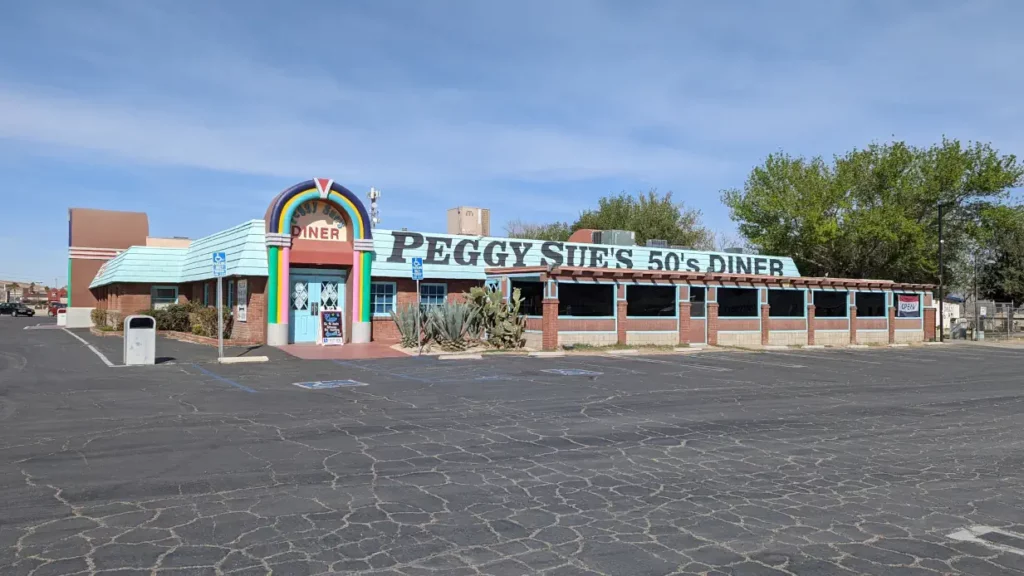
786	303
532	294
433	294
648	301
737	302
870	304
586	299
830	304
382	298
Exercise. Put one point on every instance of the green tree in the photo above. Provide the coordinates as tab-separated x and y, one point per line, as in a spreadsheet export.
555	231
651	217
872	213
1001	247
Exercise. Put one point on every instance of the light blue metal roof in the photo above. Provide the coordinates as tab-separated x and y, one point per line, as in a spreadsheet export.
244	245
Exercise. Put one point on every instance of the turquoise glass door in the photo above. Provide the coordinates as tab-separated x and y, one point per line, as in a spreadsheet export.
305	309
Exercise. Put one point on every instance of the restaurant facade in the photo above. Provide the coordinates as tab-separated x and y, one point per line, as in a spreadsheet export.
315	251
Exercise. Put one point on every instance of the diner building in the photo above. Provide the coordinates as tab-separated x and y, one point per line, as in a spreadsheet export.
316	251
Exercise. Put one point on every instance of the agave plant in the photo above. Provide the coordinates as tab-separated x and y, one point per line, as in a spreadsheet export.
405	320
451	324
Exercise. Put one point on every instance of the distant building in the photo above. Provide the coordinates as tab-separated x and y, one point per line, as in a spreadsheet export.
469	221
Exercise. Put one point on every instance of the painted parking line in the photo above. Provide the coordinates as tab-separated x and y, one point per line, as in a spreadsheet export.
223	379
91	347
826	356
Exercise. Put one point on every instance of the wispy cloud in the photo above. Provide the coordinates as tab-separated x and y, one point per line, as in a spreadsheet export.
534	108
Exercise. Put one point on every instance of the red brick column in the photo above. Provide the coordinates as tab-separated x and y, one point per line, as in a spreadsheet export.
929	324
712	320
853	324
892	324
765	324
549	324
620	321
684	323
810	324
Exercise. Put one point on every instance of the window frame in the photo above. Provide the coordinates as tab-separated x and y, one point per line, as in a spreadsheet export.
612	288
444	297
885	304
394	299
802	308
757	301
512	286
231	294
816	308
675	300
153	297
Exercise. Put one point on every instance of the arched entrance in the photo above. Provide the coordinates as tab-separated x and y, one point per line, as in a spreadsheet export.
319	253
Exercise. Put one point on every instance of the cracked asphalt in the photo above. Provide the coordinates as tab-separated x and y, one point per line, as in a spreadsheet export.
804	462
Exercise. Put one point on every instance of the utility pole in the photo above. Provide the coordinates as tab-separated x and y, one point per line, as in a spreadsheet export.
942	290
976	317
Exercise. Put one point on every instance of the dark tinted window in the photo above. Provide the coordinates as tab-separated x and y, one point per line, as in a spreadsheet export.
870	305
586	299
650	300
786	303
532	294
698	300
830	304
741	302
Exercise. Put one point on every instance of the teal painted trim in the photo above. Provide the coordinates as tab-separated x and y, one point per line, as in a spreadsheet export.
787	317
394	301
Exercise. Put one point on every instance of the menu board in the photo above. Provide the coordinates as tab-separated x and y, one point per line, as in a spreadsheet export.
332	328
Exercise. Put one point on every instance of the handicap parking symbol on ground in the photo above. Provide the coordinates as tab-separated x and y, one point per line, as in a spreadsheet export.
572	372
326	384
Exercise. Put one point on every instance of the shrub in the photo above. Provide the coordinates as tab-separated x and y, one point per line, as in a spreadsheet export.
176	317
206	321
405	320
116	321
450	325
99	317
500	322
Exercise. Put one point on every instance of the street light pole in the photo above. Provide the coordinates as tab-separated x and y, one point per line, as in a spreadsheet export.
942	294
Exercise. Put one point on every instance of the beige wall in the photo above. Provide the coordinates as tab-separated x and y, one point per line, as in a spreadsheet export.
740	339
652	338
593	338
794	338
154	242
873	336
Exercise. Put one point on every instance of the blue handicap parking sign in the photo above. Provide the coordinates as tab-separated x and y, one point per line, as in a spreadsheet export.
417	268
220	263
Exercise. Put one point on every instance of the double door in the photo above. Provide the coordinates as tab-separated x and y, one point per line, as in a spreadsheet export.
311	294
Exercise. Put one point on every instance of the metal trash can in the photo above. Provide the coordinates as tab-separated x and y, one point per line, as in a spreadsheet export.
139	341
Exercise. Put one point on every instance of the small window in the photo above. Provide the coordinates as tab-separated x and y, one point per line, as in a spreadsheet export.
647	301
738	302
382	298
586	299
698	301
206	293
433	294
163	296
231	295
532	294
830	304
786	303
870	304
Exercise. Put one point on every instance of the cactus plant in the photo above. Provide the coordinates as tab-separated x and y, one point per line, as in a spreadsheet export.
501	322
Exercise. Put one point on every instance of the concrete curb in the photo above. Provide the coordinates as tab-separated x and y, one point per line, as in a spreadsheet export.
546	354
814	346
774	347
899	345
626	352
934	343
243	359
461	357
688	349
858	346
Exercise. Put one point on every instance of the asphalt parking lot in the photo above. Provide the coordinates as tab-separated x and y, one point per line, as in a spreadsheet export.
903	461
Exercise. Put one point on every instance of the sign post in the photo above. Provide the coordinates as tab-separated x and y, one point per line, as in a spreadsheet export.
220	267
417	275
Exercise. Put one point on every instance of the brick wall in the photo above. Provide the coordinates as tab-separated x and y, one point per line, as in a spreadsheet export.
810	325
384	328
853	322
684	320
929	324
738	324
550	324
647	324
831	324
765	320
712	320
621	321
871	324
892	325
254	329
586	324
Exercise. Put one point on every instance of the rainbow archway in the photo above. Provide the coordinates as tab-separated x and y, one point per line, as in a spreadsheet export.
279	240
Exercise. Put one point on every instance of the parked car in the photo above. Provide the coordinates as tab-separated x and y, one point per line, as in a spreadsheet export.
16	310
52	307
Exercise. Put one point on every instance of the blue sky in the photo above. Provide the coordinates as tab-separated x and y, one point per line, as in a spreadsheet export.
198	113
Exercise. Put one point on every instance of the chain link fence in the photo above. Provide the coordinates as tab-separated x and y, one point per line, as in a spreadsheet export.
996	320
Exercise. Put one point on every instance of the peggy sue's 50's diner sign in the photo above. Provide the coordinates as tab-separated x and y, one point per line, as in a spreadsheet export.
449	256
